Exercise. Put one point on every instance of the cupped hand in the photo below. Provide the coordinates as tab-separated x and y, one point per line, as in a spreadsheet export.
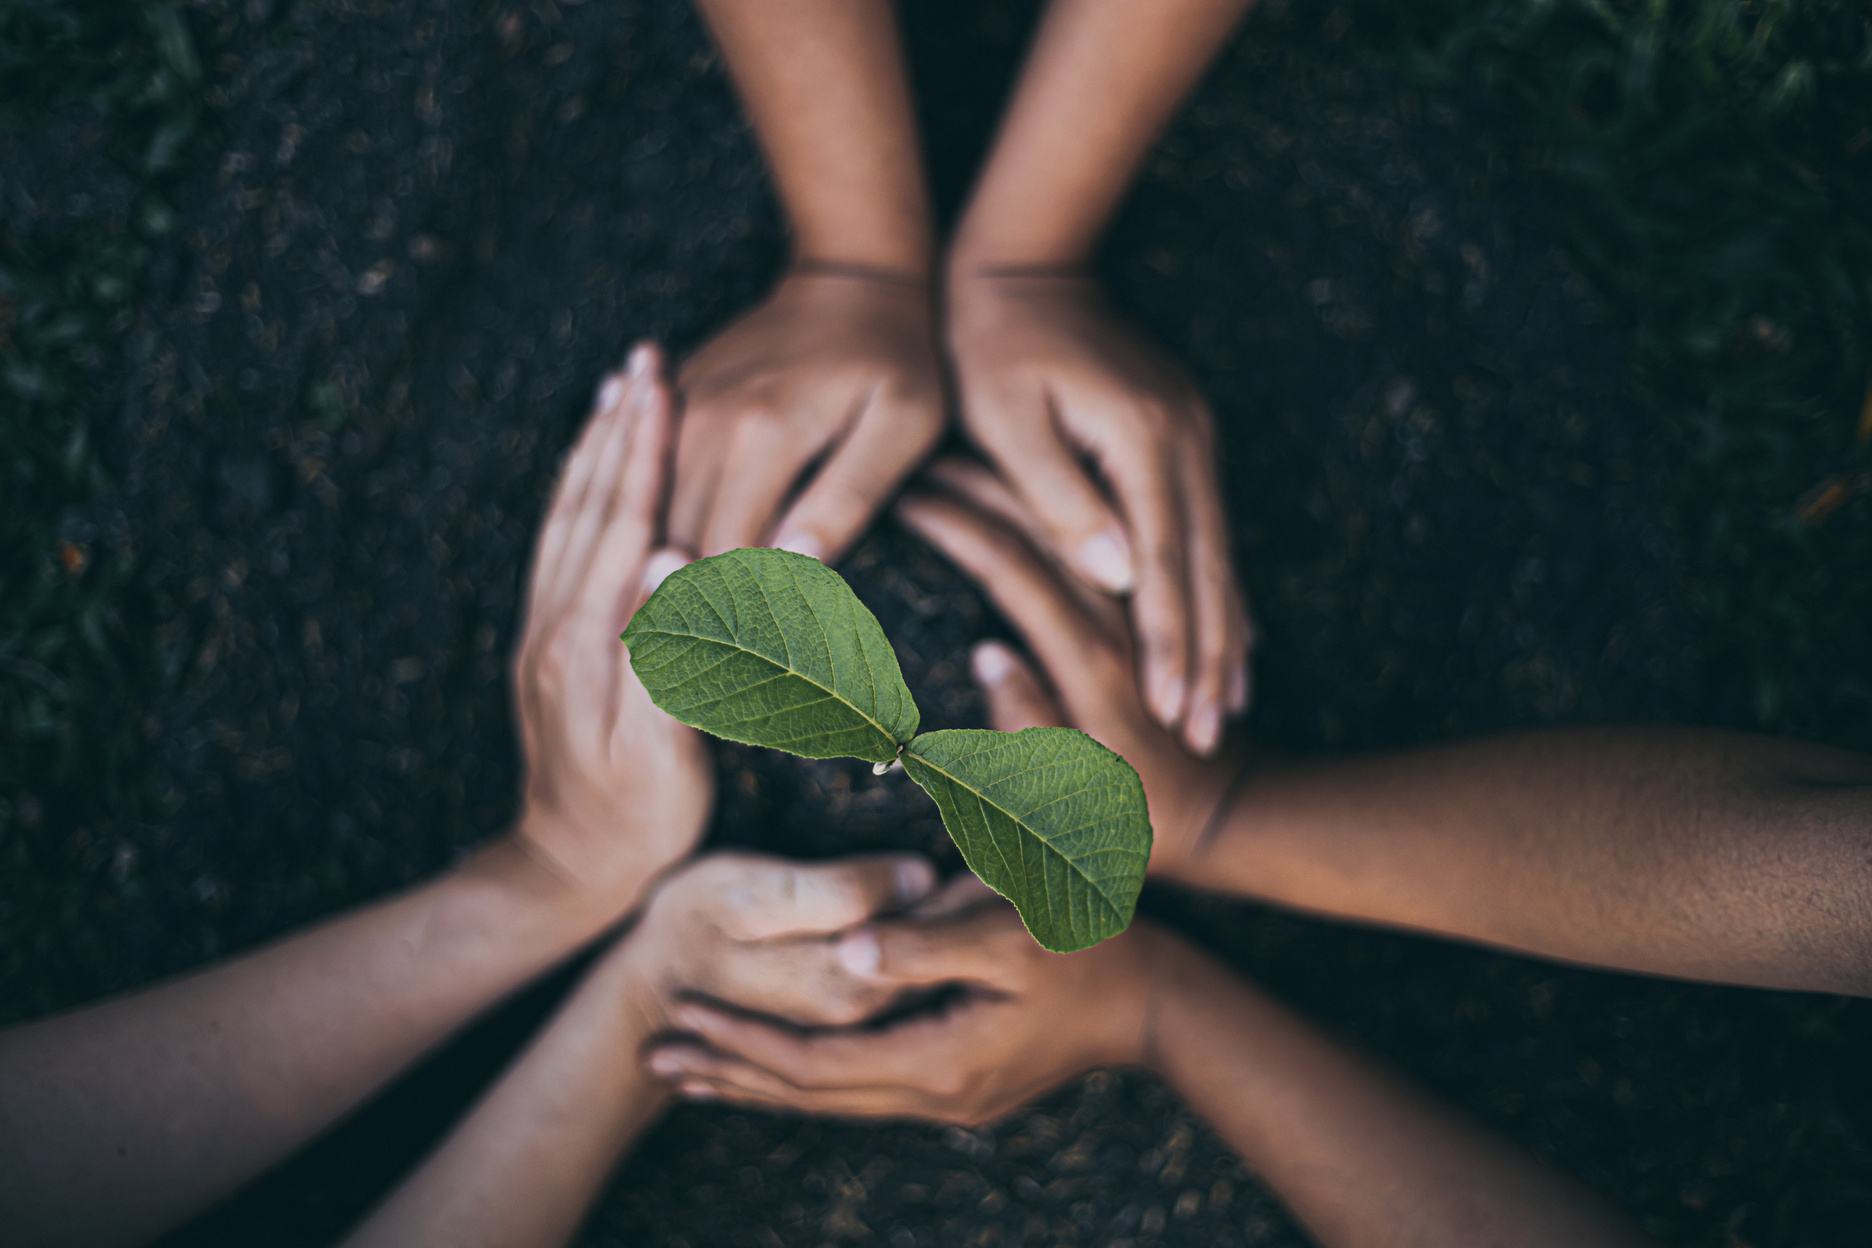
761	933
801	419
1023	1021
1112	450
1083	643
615	789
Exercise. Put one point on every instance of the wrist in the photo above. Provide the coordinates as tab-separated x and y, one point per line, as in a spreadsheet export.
531	865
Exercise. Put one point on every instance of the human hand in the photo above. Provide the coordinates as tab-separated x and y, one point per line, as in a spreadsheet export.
1025	1021
1083	643
759	932
836	369
615	789
1049	379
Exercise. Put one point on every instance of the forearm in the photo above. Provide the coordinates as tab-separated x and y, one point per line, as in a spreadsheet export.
122	1118
1671	851
823	82
1360	1157
1103	78
522	1169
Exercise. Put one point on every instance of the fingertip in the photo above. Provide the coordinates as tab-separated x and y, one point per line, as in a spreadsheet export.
1203	731
610	394
858	952
659	566
800	542
1166	694
695	1090
642	361
1105	560
1240	688
993	662
915	880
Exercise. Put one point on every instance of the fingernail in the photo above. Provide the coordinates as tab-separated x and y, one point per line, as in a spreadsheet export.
858	952
1105	560
665	1065
915	879
698	1091
610	392
1166	698
1205	727
801	544
1238	688
993	663
638	365
658	567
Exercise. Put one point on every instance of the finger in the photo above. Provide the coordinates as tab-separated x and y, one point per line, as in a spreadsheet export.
611	584
1218	627
702	1075
1026	446
1072	649
763	461
900	1056
601	495
1145	483
979	945
573	480
769	898
1016	699
867	467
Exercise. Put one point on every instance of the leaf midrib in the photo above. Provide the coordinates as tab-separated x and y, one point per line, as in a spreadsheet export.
1044	844
787	670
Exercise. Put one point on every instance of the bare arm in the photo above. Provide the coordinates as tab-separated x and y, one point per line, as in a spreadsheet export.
1105	439
1361	1157
1672	851
122	1118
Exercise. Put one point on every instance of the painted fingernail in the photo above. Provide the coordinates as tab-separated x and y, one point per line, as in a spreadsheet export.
610	393
1238	689
993	663
698	1091
641	358
801	543
915	879
658	567
666	1065
1205	727
1105	560
858	952
1166	698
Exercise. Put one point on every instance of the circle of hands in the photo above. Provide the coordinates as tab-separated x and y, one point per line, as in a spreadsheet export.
763	981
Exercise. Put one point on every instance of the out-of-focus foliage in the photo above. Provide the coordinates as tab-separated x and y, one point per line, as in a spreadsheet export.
1716	160
76	662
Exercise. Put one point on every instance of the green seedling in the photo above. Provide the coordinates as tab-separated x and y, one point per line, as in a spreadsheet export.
770	648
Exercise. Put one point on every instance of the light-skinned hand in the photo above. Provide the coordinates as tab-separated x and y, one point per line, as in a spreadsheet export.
1083	644
1024	1021
762	932
1113	452
615	789
802	418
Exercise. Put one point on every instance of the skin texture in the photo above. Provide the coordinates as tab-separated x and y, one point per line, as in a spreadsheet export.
169	1098
525	1165
1672	851
803	417
1361	1158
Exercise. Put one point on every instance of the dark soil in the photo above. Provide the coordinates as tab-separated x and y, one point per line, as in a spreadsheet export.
425	230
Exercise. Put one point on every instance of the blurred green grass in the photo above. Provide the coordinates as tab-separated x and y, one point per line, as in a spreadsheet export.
1714	162
77	659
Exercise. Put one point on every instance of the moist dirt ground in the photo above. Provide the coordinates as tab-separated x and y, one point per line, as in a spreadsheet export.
420	233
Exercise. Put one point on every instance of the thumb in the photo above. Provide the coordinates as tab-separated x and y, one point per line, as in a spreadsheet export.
791	899
971	945
1015	697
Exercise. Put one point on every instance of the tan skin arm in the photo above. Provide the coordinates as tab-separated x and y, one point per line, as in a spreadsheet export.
122	1118
1672	851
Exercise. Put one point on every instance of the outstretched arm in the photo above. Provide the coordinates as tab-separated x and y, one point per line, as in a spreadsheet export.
831	386
1673	851
122	1118
523	1167
1105	438
1363	1159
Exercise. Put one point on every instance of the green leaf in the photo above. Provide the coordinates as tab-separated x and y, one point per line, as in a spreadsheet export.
770	648
1048	818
